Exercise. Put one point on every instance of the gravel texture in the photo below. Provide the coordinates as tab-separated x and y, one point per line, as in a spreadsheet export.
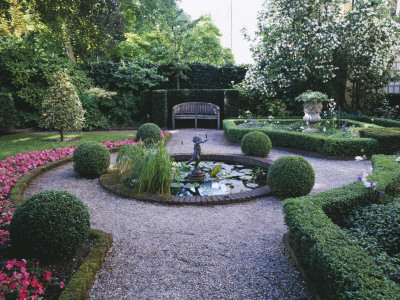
223	252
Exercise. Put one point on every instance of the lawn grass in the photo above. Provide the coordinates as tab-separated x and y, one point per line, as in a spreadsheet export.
14	144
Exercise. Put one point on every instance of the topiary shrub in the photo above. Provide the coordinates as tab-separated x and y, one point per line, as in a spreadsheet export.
62	109
290	176
51	225
91	159
149	132
256	143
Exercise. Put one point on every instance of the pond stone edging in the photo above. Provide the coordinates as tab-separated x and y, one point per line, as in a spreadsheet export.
206	200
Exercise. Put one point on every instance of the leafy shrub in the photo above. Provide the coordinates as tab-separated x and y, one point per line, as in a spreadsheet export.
146	169
388	138
291	176
62	109
256	143
91	159
302	141
149	132
7	112
338	267
50	224
379	224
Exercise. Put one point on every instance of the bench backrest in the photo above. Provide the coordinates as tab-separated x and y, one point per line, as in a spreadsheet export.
195	107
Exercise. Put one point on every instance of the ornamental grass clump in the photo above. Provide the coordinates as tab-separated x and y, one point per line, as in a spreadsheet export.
149	132
146	169
50	225
256	143
291	176
91	159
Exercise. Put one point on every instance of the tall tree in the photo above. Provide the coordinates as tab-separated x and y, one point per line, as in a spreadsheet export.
87	26
307	44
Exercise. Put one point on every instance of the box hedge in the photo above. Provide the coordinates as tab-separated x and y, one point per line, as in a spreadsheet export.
388	138
308	142
164	100
336	265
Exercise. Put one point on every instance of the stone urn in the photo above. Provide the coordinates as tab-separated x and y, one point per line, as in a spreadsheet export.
312	111
312	103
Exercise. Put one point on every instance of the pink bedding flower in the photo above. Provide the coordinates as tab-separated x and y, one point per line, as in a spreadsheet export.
15	276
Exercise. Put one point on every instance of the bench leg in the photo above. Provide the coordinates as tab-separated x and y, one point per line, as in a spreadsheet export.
195	123
218	121
173	122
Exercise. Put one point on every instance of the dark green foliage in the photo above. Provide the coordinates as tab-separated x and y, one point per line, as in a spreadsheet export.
91	159
174	97
50	225
256	143
338	267
95	112
291	176
393	98
232	104
149	132
388	138
376	121
7	112
379	224
159	108
309	142
204	76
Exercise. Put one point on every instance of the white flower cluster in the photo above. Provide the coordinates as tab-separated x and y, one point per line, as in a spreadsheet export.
299	40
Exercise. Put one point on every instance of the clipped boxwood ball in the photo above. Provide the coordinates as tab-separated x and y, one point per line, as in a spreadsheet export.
91	159
51	225
149	132
290	176
256	143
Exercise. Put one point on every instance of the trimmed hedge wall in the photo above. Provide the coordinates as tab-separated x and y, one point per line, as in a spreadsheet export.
7	112
164	100
314	143
337	266
393	98
388	138
376	121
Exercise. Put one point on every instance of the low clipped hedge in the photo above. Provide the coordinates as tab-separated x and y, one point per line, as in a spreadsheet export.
331	259
377	121
309	142
388	138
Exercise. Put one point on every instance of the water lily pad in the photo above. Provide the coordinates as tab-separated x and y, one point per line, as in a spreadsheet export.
246	171
246	177
252	185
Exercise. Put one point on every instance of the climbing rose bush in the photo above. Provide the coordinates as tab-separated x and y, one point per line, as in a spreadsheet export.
17	278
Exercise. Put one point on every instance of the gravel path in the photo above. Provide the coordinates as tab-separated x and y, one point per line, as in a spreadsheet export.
222	252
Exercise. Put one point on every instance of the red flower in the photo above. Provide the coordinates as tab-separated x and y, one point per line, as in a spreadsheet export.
47	276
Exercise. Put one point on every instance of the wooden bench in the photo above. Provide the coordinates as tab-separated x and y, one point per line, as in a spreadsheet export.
196	111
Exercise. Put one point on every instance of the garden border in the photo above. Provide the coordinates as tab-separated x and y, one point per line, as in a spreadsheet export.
205	200
81	281
315	143
335	264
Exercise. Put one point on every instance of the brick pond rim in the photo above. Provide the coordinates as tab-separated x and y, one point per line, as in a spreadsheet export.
203	200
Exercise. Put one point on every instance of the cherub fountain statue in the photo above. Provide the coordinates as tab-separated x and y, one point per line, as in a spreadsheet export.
197	174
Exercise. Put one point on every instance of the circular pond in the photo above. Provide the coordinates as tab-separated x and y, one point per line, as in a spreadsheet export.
240	178
222	178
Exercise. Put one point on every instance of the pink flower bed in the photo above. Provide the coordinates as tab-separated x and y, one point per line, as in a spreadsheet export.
25	284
